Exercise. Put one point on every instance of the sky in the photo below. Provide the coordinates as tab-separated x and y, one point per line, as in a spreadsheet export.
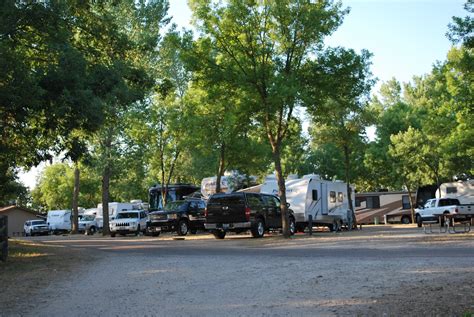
406	37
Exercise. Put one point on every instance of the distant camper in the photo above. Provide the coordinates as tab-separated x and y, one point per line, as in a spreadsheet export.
375	207
59	221
175	192
326	201
461	190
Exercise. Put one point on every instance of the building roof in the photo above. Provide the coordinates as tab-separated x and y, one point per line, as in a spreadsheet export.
12	207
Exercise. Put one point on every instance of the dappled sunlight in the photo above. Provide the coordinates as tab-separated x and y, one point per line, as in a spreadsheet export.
437	270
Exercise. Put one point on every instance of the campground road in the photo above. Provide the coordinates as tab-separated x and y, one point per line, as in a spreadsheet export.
371	272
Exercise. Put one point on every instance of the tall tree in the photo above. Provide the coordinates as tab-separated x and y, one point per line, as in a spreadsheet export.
338	86
263	47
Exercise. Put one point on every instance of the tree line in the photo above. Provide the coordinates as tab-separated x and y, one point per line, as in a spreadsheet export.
127	100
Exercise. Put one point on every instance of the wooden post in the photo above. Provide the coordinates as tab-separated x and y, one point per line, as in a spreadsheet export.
3	238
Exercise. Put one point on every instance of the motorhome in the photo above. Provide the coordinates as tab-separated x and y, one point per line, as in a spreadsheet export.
174	192
59	221
383	206
326	201
461	190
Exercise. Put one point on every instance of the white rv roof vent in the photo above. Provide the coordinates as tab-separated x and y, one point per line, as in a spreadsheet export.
311	176
292	176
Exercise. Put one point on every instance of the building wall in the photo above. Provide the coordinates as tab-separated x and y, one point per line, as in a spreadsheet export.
16	220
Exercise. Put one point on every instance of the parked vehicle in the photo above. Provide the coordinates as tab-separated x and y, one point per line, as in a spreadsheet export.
88	224
461	190
35	227
325	201
388	206
230	182
437	206
59	221
128	221
241	211
114	209
181	216
174	192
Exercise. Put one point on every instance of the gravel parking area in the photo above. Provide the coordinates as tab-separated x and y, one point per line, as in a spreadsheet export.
379	271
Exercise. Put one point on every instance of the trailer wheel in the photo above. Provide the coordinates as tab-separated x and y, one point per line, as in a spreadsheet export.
419	222
406	220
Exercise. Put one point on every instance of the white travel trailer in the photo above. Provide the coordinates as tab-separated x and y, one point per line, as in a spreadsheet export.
59	220
461	190
231	181
326	201
114	208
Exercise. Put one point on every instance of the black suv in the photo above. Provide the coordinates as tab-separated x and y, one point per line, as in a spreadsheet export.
182	216
239	212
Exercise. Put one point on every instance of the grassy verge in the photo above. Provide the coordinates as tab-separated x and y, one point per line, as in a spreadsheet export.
30	269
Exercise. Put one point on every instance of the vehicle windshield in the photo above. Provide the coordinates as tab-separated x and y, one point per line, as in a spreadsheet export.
127	215
176	206
38	222
88	218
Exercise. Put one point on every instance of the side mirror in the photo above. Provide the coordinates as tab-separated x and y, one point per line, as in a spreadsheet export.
287	205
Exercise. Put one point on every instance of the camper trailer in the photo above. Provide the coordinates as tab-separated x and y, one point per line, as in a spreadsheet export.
326	201
230	182
114	208
461	190
59	221
378	207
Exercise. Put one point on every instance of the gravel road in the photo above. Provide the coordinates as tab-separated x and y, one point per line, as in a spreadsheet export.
379	271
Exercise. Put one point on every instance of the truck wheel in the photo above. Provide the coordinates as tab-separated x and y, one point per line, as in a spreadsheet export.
292	226
419	222
138	231
258	229
406	220
156	234
183	228
92	230
219	234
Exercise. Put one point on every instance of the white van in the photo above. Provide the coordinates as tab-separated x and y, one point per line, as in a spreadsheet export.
326	201
59	221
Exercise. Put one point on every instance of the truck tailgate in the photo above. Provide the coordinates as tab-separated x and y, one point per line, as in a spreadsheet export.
229	210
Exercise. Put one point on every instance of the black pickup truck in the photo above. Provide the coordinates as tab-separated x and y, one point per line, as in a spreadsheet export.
239	212
182	216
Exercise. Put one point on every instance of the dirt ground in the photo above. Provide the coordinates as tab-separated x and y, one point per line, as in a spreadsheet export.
379	271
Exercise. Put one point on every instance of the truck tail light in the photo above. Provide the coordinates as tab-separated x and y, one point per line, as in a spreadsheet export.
247	213
205	212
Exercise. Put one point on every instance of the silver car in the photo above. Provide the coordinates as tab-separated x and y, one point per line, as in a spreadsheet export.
36	227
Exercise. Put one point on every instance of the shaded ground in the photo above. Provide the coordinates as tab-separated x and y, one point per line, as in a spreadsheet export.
381	270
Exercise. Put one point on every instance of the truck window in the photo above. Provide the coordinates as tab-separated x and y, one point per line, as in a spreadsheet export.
433	203
332	197
254	202
448	202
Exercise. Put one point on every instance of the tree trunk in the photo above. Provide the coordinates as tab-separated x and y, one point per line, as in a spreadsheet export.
285	220
105	199
220	169
347	167
75	200
412	204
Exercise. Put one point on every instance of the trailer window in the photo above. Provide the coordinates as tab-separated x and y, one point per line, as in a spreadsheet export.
340	197
315	194
451	190
373	202
332	197
405	202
